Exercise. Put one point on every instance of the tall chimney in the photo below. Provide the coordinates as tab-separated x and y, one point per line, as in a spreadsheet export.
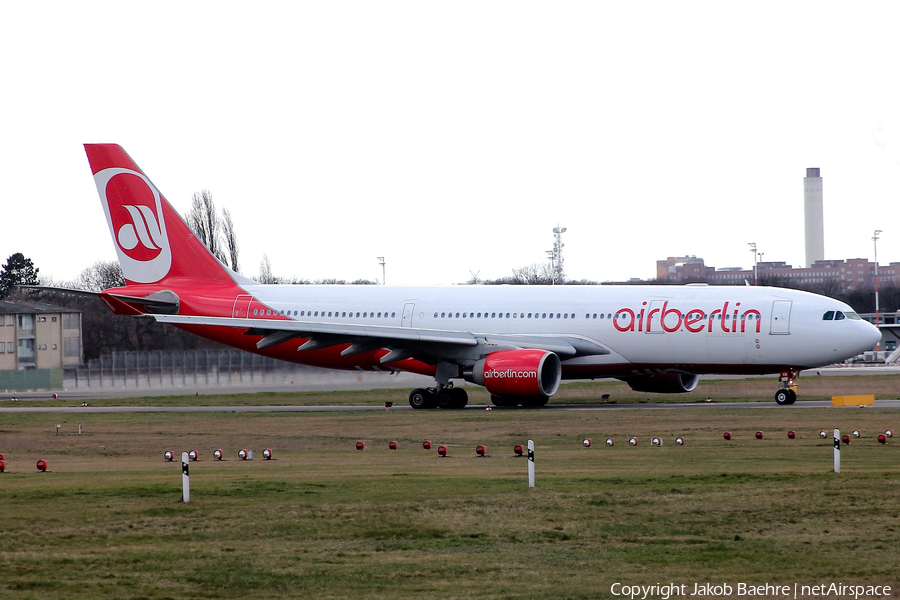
814	220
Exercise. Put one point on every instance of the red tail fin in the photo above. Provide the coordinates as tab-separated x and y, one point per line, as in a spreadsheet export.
152	241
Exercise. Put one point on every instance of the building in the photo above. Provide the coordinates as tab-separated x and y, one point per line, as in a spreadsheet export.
813	217
850	273
39	336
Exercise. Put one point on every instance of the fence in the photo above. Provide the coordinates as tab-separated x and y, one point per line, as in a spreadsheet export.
31	379
161	369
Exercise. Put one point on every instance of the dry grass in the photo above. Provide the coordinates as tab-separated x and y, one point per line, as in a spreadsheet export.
324	520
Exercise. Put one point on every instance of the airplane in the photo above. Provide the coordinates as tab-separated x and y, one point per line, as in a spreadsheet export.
519	342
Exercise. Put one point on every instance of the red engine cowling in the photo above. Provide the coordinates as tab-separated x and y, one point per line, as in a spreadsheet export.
664	383
526	373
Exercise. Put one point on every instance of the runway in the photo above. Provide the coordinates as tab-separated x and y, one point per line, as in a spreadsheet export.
888	404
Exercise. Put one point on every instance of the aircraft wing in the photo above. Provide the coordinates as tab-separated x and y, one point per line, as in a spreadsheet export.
426	345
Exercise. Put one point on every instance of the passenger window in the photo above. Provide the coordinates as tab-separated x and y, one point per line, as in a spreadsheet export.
392	315
255	311
529	315
566	316
457	315
493	315
828	316
507	315
838	316
544	315
343	314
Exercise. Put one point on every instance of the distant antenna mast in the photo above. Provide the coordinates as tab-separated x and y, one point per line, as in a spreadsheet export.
383	271
556	255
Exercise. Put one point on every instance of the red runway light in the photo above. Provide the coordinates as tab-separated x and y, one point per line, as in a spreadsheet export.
392	445
442	451
267	454
42	465
882	439
727	435
427	444
360	445
759	435
792	434
519	450
480	450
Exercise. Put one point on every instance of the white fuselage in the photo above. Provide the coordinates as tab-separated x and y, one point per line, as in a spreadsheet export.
695	328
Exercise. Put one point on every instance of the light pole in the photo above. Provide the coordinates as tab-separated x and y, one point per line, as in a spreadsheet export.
383	272
759	255
877	320
753	250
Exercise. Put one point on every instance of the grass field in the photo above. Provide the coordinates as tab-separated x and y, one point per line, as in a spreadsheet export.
327	521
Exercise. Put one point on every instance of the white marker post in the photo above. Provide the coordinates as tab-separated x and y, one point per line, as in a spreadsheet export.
185	478
531	463
837	450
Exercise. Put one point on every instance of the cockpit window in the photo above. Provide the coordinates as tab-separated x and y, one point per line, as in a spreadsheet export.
853	316
828	316
838	316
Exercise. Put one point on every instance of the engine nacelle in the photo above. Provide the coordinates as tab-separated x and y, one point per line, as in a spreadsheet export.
523	373
664	383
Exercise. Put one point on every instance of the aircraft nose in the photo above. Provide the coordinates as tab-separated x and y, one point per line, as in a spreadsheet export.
872	335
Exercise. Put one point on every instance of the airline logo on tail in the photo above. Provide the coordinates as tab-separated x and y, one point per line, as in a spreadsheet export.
134	213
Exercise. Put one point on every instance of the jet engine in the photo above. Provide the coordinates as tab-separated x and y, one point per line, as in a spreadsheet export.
518	373
664	383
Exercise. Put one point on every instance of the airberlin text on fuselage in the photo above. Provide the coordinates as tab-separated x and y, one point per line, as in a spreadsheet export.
695	320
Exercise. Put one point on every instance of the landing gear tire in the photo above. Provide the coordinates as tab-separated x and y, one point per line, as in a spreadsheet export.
500	401
785	397
445	398
460	398
419	398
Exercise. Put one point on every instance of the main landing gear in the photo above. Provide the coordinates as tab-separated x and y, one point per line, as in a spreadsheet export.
443	397
787	394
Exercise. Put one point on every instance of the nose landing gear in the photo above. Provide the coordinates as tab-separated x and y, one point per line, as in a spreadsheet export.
787	394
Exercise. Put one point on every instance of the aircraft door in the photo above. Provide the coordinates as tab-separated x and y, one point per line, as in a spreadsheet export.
241	308
406	320
781	318
654	317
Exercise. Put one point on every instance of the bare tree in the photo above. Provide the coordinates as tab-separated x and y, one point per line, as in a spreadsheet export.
100	276
265	271
536	274
231	243
206	224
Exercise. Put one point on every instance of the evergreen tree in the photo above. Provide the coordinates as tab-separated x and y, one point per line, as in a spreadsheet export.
18	270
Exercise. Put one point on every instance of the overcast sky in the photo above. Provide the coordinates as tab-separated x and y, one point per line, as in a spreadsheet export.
454	136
